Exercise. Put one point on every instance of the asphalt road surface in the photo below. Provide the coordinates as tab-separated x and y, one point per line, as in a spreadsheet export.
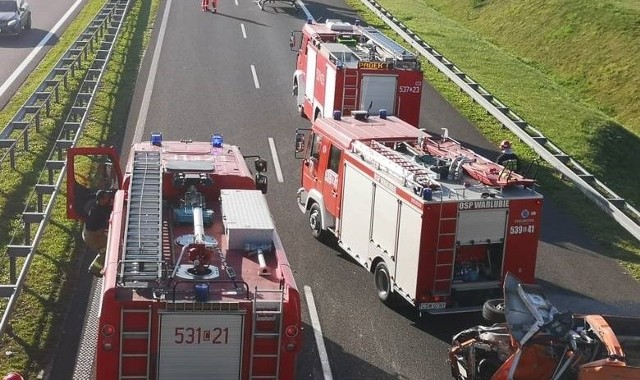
231	73
19	55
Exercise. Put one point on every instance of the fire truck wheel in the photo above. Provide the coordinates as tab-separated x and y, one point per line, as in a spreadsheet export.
493	310
315	222
383	284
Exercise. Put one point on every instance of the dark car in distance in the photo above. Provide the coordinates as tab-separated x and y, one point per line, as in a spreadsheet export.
15	16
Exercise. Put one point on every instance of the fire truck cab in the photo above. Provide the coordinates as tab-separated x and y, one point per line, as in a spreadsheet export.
437	224
196	281
347	67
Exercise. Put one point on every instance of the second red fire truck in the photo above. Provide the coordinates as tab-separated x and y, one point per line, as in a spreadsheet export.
348	67
196	282
437	224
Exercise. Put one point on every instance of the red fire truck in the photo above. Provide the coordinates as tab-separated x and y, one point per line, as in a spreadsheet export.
196	282
348	67
437	224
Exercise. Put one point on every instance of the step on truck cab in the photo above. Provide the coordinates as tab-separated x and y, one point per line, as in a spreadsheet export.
437	224
349	67
196	281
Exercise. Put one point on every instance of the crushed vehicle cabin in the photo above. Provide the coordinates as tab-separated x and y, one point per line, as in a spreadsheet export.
340	66
196	281
537	341
437	224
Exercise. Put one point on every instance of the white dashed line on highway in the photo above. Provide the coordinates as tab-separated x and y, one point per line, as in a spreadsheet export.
236	1
317	332
244	32
276	160
148	88
255	76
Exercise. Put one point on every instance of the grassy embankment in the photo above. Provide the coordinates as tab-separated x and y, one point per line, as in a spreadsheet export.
37	321
568	68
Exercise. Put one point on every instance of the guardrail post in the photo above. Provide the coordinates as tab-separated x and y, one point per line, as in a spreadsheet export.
42	190
53	166
10	144
29	218
14	251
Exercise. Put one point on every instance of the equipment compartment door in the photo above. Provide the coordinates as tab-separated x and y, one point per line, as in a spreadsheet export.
486	226
408	257
357	196
379	92
200	345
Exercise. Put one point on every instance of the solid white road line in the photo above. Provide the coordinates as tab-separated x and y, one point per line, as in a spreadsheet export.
317	332
244	32
255	76
276	160
16	73
148	89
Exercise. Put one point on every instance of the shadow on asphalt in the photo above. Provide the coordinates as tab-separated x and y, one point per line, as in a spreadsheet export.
28	39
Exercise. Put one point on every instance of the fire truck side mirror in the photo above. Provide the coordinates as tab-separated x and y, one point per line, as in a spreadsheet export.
261	182
292	41
260	165
299	142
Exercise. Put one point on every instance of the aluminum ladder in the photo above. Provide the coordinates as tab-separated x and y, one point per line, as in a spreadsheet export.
141	264
266	326
350	91
445	249
389	46
394	163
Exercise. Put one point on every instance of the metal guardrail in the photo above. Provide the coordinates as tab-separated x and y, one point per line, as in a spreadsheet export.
613	204
30	113
109	20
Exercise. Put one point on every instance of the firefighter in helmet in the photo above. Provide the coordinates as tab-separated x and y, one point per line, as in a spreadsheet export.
507	156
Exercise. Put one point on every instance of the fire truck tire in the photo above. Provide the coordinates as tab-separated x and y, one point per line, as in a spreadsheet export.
315	222
493	310
383	284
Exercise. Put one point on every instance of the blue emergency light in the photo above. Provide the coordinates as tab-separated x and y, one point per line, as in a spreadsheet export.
383	113
156	139
216	140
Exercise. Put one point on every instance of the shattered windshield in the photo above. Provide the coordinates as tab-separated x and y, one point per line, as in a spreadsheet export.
527	309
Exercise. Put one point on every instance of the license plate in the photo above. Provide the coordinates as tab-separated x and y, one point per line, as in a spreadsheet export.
432	305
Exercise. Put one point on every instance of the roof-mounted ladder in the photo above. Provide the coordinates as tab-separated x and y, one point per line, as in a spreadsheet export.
391	47
394	163
141	263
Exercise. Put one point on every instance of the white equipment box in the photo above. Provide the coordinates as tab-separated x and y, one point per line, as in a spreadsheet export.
247	221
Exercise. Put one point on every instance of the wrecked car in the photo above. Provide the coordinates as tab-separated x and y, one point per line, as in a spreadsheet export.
537	341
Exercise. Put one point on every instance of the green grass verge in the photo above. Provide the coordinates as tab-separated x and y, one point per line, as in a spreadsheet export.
37	322
572	119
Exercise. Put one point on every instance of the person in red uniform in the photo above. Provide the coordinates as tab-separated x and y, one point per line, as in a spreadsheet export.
205	5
